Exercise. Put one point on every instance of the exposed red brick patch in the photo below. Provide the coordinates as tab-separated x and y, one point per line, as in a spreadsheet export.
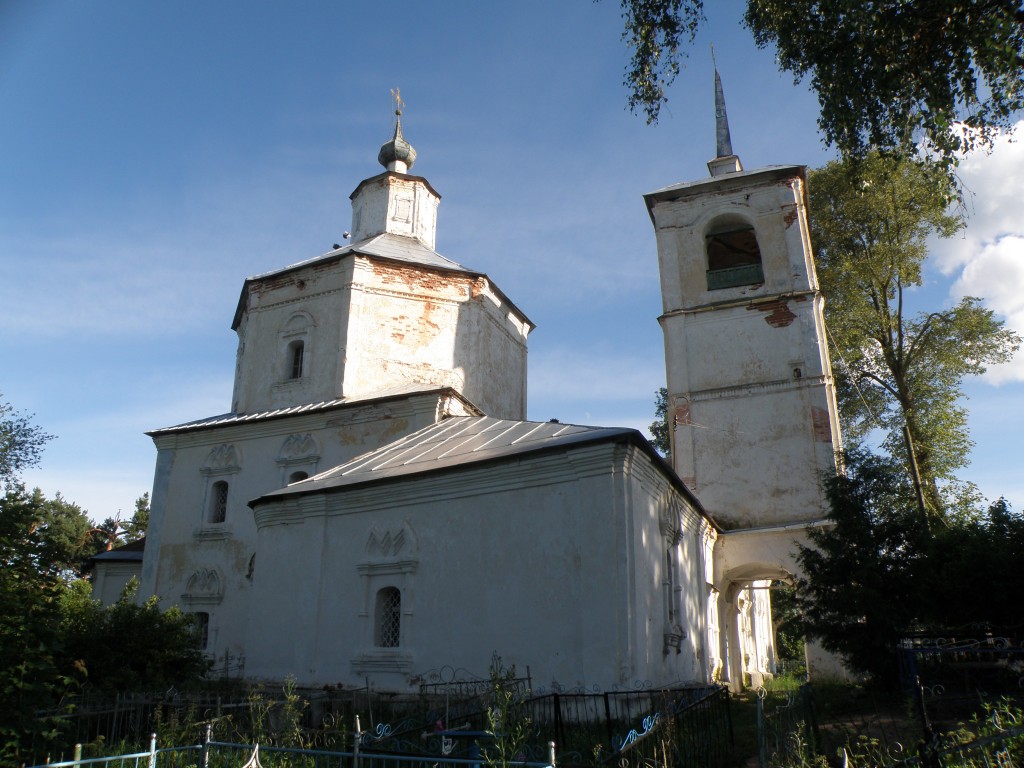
777	313
822	427
790	217
683	413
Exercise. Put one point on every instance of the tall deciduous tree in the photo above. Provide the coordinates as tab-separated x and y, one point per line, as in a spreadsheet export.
661	435
31	677
888	74
870	221
21	443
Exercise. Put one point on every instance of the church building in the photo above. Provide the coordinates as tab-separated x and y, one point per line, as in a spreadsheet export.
374	505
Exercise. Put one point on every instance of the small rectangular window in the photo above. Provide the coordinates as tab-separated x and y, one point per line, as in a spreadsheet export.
298	349
389	618
218	502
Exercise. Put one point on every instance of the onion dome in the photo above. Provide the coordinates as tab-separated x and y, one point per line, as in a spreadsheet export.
397	155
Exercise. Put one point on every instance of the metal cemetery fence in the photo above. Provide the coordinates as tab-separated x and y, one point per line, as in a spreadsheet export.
691	727
226	755
950	673
630	726
785	725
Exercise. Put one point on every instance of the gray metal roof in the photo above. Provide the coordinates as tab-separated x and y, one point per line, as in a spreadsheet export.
128	553
385	246
453	442
398	248
388	393
718	180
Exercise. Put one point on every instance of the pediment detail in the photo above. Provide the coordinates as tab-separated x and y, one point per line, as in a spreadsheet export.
391	542
299	446
223	458
204	586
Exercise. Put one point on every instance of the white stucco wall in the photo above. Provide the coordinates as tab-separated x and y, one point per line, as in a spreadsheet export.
310	305
750	386
397	203
204	566
110	578
554	561
369	324
408	324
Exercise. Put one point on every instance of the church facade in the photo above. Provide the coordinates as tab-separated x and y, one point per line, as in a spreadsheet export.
375	506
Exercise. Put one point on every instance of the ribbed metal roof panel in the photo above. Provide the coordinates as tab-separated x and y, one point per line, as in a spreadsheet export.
398	248
385	246
225	419
457	441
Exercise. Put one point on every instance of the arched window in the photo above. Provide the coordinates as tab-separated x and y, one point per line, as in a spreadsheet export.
218	510
734	257
388	628
296	477
296	336
296	350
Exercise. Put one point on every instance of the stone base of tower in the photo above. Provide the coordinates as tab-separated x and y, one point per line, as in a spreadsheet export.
746	562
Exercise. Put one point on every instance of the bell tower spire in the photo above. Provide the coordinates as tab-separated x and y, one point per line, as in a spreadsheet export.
725	161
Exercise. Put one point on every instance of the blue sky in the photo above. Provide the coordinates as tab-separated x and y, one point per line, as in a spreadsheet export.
152	155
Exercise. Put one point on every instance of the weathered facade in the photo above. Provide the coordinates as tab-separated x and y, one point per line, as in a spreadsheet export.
569	550
751	398
374	505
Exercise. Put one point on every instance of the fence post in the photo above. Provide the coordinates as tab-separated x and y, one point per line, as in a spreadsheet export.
206	745
357	737
558	718
608	722
928	749
551	754
152	750
78	754
762	747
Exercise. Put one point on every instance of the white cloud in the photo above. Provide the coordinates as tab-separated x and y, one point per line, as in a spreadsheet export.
995	272
987	259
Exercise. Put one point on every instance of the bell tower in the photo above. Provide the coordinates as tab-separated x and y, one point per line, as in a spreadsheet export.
751	406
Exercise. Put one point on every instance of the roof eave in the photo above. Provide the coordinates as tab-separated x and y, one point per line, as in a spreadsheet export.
397	175
625	434
688	188
288	413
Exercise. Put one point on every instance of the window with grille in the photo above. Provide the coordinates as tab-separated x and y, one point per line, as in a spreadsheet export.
218	502
296	351
389	618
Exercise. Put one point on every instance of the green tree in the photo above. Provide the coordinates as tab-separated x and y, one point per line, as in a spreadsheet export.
877	573
135	529
857	591
21	444
661	437
128	646
31	676
68	535
888	74
871	220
